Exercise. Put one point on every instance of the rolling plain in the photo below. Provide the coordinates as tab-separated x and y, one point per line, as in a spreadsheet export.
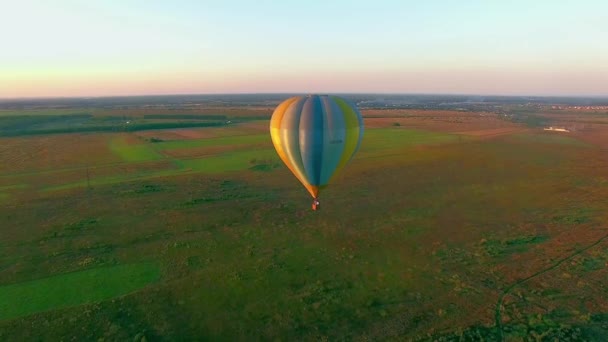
142	224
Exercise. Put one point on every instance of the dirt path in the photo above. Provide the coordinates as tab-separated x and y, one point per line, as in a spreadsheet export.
498	313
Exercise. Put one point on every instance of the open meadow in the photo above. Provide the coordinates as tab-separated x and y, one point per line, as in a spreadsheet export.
447	225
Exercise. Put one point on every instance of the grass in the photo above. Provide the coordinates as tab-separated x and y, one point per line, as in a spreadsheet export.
74	288
45	123
236	160
51	112
511	246
574	216
221	141
593	264
115	179
383	139
228	162
381	142
409	242
264	160
551	138
185	116
133	152
5	190
13	187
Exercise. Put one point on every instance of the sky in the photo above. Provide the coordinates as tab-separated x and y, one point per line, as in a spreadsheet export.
66	48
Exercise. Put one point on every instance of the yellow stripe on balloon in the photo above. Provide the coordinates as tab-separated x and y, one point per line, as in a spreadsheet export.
351	138
275	134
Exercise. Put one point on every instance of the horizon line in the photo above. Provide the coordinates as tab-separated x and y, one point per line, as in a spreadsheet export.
299	93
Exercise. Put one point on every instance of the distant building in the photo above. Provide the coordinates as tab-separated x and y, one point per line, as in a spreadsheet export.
556	129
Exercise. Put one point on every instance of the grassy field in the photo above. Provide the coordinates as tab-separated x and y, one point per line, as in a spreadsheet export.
221	141
136	158
422	237
44	112
233	161
73	289
34	122
547	139
133	152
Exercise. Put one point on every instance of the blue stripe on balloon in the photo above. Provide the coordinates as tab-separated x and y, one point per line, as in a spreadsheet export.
311	138
333	140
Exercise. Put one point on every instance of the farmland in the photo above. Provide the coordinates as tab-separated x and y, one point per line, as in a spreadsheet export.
446	225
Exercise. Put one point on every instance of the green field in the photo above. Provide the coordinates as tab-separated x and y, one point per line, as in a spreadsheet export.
233	161
49	122
384	139
252	152
133	152
549	139
221	141
43	112
76	288
421	237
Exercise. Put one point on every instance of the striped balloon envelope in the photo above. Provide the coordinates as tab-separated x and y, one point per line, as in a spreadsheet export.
316	136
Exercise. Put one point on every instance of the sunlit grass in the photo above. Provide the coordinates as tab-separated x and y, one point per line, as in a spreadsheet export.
74	288
220	141
133	152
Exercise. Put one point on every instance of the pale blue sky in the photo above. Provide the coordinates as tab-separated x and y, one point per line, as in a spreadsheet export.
96	48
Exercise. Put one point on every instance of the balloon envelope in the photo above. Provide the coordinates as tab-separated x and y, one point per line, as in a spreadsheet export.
316	136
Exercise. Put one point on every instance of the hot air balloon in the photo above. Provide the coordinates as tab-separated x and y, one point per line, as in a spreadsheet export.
316	136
